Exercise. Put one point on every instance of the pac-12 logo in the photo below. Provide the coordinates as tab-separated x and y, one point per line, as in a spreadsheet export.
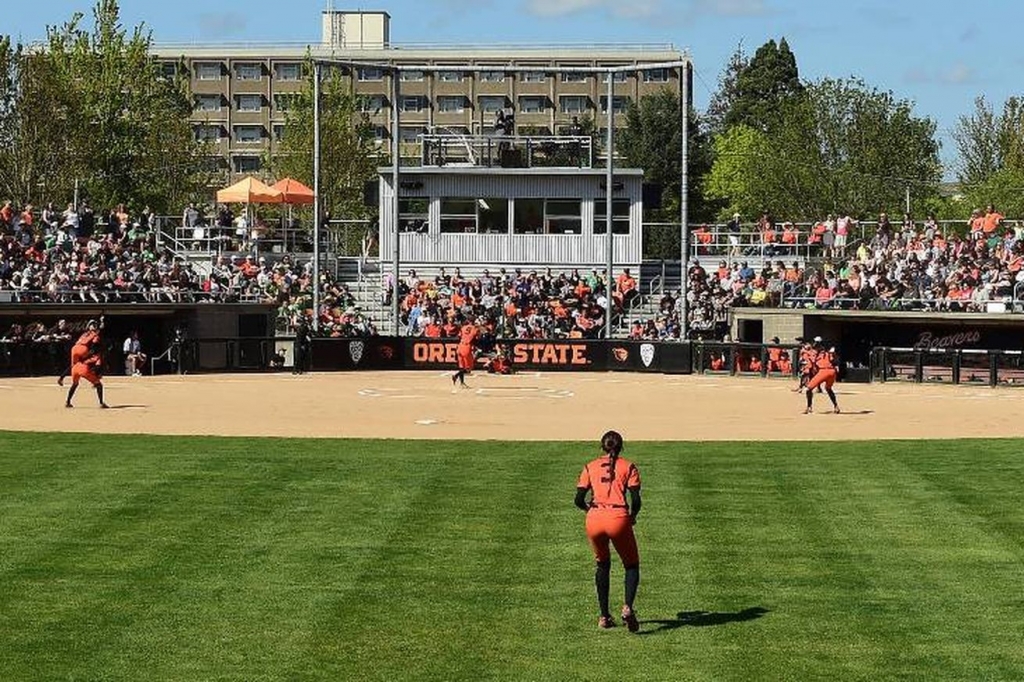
647	353
355	351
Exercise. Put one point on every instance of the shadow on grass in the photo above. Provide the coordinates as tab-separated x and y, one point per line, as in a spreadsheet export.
701	619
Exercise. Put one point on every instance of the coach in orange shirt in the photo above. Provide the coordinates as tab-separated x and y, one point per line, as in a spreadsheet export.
610	520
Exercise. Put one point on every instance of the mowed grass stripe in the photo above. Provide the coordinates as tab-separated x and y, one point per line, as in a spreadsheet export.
182	558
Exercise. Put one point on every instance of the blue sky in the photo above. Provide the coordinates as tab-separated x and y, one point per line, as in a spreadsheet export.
940	54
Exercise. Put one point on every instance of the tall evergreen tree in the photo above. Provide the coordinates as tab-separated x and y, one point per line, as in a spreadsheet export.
763	86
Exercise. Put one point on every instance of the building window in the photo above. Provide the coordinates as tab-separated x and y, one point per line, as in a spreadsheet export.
450	76
620	216
208	71
168	69
250	102
278	132
370	73
208	133
529	216
412	76
492	76
380	133
573	104
411	133
533	104
451	104
458	215
656	76
208	102
413	103
249	71
563	216
285	101
248	134
372	104
246	164
620	104
288	71
574	77
620	77
413	215
492	103
533	77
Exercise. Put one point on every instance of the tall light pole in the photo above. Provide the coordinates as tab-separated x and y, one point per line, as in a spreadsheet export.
684	200
609	190
395	173
316	196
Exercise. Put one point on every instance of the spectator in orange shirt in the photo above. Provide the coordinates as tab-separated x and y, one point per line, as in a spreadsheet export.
610	521
991	220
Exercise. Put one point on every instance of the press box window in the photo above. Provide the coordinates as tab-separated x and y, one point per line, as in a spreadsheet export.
620	216
564	216
413	215
458	215
528	216
492	216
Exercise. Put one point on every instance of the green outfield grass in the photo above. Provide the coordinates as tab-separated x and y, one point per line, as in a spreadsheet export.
157	558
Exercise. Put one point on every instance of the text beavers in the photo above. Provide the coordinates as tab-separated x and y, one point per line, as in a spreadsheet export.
537	353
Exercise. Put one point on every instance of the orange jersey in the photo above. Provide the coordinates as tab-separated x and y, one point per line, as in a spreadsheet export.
84	346
824	360
609	492
467	335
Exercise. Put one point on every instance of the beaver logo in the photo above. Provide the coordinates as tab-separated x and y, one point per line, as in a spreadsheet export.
620	354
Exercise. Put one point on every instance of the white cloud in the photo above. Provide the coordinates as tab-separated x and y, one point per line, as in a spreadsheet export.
957	74
556	8
648	9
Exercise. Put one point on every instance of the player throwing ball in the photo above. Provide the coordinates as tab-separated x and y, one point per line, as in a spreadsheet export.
86	363
610	519
464	355
825	374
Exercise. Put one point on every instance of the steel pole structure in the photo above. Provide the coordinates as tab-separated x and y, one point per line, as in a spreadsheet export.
395	163
684	199
609	189
317	208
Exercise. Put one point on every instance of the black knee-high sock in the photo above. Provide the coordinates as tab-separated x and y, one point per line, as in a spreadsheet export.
462	377
810	398
99	392
71	392
632	583
602	580
832	397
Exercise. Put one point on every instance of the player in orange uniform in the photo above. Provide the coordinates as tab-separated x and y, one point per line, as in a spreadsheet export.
468	334
85	363
611	519
825	375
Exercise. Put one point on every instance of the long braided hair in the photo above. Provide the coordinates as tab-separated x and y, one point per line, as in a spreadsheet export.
611	444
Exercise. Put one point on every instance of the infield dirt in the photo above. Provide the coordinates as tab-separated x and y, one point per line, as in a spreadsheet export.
555	406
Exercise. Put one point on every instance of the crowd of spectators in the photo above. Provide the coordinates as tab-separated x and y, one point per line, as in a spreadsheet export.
521	305
903	266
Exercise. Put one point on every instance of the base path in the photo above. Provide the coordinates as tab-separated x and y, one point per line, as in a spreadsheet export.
556	406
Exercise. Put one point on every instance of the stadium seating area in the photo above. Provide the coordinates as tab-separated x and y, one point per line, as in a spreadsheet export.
911	267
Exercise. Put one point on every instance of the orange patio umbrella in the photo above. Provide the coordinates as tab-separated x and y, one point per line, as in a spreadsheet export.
249	191
293	191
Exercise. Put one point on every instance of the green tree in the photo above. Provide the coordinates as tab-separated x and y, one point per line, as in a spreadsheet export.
124	128
841	147
990	164
652	140
348	154
768	81
728	91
